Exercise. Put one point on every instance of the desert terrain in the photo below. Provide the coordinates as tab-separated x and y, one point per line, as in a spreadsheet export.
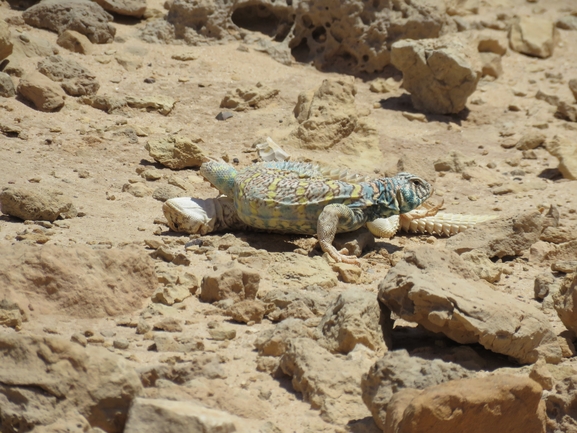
113	322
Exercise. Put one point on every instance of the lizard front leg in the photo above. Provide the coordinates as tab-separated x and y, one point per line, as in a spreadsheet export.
332	218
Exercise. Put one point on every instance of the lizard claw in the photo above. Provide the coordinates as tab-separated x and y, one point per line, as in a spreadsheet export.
342	256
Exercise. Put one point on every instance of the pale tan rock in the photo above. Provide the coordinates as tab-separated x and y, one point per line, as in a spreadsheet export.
531	140
176	152
235	282
169	295
76	79
380	85
561	404
31	45
355	318
129	62
155	415
541	374
273	342
565	150
565	302
468	405
131	8
37	204
93	381
110	104
534	36
7	90
44	93
397	371
573	87
483	266
249	310
75	42
491	64
328	383
298	271
439	73
244	98
492	41
77	281
567	111
5	43
83	16
438	290
162	103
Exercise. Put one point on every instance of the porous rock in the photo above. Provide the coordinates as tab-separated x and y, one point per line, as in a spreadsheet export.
75	42
98	384
35	204
469	405
397	370
561	404
531	140
438	290
566	111
244	98
506	236
273	342
439	73
249	310
565	151
109	103
355	318
31	45
148	415
83	16
5	43
176	152
76	79
162	103
533	35
7	89
131	8
78	280
296	270
328	383
235	282
44	93
565	302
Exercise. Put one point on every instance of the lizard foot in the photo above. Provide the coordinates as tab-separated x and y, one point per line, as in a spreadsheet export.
343	256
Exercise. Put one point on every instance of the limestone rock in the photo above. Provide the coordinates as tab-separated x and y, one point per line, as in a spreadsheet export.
162	104
31	45
568	22
35	204
492	41
469	405
396	371
78	280
491	64
439	73
110	104
273	342
76	79
91	380
244	98
75	42
355	318
501	237
235	282
565	151
249	310
176	152
436	289
83	16
328	383
44	93
7	89
567	111
299	304
131	8
561	405
565	301
299	271
5	43
531	140
534	36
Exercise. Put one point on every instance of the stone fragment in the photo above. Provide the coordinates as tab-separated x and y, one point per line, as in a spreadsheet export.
224	115
573	86
438	290
273	342
76	79
131	8
355	318
235	282
169	295
565	150
491	65
28	45
567	111
565	266
132	63
568	22
380	85
296	270
176	152
492	41
137	189
44	93
453	162
98	384
468	405
545	284
11	315
180	343
166	192
541	374
483	266
168	324
561	404
348	273
5	43
244	98
222	333
83	16
35	204
149	415
328	383
439	73
397	370
78	281
7	89
162	104
75	42
565	302
249	310
110	104
501	237
531	140
533	35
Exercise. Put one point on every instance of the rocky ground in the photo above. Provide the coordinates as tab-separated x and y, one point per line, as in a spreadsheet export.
113	322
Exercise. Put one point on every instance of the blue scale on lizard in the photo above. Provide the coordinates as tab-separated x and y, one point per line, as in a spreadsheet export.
289	197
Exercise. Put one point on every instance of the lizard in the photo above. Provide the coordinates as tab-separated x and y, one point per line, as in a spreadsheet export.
297	198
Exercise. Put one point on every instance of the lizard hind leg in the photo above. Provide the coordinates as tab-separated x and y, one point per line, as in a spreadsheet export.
334	218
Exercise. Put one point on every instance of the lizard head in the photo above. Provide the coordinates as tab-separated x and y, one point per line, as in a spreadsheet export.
411	191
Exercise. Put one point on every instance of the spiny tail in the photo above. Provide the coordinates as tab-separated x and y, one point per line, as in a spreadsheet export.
220	175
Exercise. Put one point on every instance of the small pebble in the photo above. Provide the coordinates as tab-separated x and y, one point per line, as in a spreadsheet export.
121	343
223	115
149	80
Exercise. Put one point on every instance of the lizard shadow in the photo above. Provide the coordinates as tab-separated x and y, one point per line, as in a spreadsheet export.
403	103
